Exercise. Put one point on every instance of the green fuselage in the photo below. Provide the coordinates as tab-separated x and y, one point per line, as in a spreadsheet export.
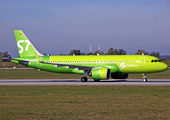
116	63
100	67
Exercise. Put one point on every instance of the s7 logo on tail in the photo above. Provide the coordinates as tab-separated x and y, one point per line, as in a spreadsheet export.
21	47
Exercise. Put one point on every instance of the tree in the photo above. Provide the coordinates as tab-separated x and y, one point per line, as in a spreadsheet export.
98	52
121	52
5	57
90	53
140	52
111	51
75	52
82	53
156	54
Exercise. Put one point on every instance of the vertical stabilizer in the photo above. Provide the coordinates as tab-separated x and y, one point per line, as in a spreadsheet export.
25	47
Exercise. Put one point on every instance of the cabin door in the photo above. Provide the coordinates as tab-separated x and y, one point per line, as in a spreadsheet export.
142	61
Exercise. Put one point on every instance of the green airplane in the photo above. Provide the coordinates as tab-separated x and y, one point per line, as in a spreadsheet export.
99	67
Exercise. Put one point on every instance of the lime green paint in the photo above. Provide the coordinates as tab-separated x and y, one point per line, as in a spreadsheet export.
29	56
99	74
37	57
25	47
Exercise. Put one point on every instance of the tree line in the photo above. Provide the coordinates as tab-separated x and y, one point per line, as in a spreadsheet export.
113	51
5	57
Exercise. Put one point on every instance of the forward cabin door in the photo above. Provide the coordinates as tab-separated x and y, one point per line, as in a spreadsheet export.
142	61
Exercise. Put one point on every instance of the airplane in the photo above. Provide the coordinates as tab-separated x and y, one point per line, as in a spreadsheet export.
99	67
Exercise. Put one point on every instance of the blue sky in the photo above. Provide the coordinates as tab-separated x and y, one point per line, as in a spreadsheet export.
58	26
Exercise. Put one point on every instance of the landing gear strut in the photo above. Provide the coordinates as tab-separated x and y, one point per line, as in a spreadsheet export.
144	77
84	78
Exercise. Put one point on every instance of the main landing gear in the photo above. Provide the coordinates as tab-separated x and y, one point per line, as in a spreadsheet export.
84	78
144	77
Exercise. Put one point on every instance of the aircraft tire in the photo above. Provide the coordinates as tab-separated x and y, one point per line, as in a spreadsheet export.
84	79
144	80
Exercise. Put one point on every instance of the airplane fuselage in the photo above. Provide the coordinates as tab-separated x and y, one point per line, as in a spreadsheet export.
116	63
99	67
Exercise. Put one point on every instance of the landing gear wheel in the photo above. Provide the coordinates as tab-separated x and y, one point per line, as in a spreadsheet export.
96	80
144	80
84	79
144	77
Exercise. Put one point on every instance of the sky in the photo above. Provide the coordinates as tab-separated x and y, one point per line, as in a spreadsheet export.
58	26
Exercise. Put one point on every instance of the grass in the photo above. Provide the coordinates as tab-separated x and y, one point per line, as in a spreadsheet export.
85	102
35	74
11	65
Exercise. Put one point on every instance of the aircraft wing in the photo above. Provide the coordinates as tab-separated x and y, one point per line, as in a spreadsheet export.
80	67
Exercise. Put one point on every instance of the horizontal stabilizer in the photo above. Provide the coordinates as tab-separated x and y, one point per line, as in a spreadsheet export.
22	61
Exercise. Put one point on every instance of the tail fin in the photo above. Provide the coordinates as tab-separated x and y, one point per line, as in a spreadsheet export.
25	47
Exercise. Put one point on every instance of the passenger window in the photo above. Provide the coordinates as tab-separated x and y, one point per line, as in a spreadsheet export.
155	60
152	61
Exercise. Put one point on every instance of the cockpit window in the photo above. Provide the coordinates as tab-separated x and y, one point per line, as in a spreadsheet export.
155	60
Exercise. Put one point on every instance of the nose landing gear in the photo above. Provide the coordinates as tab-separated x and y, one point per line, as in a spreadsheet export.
144	77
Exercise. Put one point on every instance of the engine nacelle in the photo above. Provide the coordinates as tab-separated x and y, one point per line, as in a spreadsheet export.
100	74
119	75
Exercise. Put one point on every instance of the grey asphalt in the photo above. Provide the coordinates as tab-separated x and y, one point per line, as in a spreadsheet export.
77	82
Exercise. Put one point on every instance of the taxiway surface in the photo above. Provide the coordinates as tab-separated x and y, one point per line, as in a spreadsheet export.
48	82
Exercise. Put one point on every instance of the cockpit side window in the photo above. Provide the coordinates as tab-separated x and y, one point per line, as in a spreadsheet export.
156	61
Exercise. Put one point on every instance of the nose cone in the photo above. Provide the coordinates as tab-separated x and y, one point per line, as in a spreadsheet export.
163	67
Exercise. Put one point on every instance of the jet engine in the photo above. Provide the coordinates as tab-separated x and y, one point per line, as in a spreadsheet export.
100	74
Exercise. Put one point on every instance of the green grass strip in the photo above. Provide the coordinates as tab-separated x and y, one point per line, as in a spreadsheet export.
85	102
